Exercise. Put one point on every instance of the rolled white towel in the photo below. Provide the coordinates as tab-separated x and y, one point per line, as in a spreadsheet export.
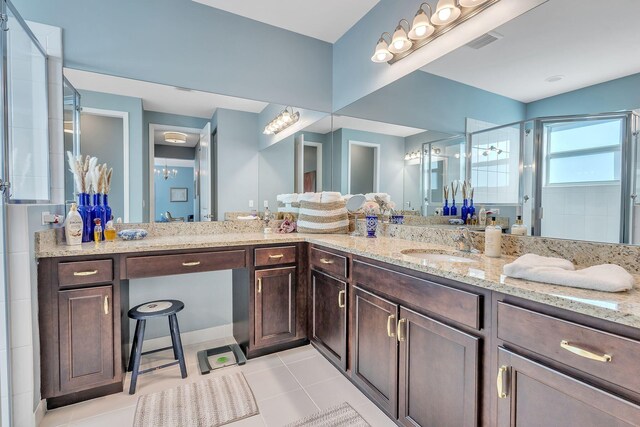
287	198
247	217
309	197
532	261
605	277
330	196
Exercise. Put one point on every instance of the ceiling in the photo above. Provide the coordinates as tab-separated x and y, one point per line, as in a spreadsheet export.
587	42
324	126
162	98
326	20
193	136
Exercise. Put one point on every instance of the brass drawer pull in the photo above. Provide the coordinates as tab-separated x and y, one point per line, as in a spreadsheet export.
341	296
191	264
106	304
85	273
500	382
402	335
326	261
279	256
390	320
584	353
259	284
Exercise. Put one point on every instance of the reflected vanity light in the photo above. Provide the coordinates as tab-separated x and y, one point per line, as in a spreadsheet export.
175	137
282	121
414	155
408	38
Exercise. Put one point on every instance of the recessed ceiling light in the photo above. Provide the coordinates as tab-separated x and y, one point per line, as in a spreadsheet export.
553	79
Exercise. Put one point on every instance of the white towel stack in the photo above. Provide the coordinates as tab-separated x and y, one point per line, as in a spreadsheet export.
557	271
309	197
287	198
372	196
330	196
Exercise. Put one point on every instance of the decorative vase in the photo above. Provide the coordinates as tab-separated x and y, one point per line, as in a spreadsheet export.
472	209
464	210
84	209
445	208
397	219
454	209
97	213
107	208
372	225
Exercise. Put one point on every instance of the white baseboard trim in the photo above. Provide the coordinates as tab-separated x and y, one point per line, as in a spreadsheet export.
190	338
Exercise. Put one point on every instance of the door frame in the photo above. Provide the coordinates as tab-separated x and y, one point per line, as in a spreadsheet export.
376	164
152	154
124	115
300	143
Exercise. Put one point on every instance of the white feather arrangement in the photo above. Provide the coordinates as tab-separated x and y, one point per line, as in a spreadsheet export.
108	181
76	169
92	175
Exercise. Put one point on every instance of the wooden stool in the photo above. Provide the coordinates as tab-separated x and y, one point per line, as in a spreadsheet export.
146	311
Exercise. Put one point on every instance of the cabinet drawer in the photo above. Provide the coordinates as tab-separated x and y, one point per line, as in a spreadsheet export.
165	265
85	272
275	256
460	306
597	353
329	262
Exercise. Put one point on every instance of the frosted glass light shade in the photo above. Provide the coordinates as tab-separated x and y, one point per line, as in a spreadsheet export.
446	12
400	41
421	27
382	53
472	3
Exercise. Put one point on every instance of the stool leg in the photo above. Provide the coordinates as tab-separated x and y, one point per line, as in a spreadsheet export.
137	355
133	347
177	344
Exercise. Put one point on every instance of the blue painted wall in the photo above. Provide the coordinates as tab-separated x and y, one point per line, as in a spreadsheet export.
162	188
184	43
431	102
614	95
137	155
155	117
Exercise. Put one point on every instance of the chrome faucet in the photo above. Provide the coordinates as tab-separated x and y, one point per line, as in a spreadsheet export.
463	239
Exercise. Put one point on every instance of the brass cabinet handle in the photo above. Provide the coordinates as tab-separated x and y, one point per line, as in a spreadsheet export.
106	304
500	382
584	353
276	256
259	284
390	320
326	261
401	336
85	273
191	264
341	296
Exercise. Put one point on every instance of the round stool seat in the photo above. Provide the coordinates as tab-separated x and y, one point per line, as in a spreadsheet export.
156	309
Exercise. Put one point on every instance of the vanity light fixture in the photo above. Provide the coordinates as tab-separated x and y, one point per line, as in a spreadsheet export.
175	137
282	121
427	26
165	172
412	155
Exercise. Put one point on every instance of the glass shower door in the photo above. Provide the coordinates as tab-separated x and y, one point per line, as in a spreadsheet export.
581	179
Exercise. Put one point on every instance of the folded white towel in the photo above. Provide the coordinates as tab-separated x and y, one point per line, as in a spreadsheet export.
372	196
330	196
287	198
346	197
309	197
247	217
605	277
529	261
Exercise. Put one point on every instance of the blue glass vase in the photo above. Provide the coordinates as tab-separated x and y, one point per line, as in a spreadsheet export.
472	209
84	209
107	209
464	210
97	212
454	209
372	225
445	208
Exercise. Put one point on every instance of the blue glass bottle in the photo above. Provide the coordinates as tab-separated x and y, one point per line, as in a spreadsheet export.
107	208
97	212
454	209
445	208
84	209
472	209
464	210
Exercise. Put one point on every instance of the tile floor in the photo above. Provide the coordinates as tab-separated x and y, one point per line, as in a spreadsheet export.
287	386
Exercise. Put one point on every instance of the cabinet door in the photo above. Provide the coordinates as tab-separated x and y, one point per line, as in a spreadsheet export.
535	395
329	317
375	355
86	338
275	306
438	374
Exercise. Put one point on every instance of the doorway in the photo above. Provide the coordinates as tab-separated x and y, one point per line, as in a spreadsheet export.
363	168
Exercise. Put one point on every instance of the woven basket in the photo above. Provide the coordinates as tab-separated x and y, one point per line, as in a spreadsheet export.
323	218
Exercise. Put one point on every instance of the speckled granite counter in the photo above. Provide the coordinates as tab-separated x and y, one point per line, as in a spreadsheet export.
623	308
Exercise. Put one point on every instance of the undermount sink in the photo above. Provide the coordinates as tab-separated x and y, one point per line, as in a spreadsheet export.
435	255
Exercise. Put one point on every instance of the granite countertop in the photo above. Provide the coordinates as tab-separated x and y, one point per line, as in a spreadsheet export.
622	308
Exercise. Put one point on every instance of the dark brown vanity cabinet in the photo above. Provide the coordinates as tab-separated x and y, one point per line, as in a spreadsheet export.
329	317
86	328
275	306
532	394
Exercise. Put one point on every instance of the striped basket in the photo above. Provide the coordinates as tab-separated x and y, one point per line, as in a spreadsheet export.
323	218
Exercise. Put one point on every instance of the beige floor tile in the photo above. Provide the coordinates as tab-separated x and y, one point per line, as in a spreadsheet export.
271	382
286	408
57	417
313	370
101	405
122	417
261	363
255	421
297	354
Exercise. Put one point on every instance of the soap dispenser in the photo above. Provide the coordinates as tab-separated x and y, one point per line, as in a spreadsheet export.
493	240
519	229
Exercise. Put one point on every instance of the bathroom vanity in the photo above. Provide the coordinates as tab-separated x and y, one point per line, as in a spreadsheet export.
433	343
